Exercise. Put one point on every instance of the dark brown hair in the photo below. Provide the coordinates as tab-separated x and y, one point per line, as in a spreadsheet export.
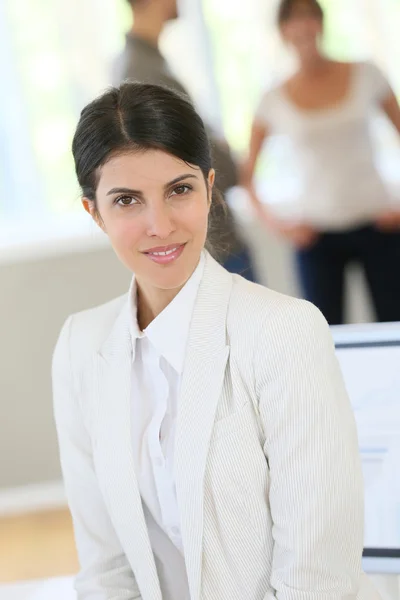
139	116
286	7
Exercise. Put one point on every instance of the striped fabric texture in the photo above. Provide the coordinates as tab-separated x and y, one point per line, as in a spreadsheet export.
268	475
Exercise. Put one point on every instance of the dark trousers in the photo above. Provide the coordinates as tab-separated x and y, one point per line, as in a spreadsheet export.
322	267
241	263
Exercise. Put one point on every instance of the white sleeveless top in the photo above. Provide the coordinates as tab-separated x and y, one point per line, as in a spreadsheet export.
341	187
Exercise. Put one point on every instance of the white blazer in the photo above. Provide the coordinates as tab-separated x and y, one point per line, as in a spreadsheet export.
268	475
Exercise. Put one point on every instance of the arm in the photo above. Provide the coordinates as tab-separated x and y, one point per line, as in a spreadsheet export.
390	220
316	493
301	235
105	573
391	107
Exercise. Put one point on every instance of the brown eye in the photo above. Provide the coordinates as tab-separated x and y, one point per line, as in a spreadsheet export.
180	190
126	201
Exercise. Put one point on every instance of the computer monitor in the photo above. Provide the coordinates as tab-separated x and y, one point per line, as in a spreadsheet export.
369	356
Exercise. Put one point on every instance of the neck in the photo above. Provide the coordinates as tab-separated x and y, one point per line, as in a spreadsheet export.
313	65
150	303
146	28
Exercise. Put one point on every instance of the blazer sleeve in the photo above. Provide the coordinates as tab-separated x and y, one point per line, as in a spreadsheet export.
316	493
105	573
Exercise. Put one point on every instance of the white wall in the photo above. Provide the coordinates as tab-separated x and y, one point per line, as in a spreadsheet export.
36	297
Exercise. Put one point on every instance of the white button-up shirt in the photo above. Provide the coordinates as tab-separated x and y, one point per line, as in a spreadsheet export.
158	358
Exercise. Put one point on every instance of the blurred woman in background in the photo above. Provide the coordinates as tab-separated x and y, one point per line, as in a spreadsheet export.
343	213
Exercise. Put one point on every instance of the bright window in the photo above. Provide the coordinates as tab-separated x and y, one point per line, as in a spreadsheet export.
54	58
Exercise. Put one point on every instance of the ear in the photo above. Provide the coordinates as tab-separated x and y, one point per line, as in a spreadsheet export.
90	207
210	182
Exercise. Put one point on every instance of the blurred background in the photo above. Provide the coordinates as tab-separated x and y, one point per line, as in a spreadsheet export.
54	57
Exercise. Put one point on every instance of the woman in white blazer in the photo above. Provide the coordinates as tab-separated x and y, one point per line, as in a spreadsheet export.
207	443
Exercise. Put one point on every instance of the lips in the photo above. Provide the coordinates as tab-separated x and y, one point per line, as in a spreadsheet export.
163	250
164	255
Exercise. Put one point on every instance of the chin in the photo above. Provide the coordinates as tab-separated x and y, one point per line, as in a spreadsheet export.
169	279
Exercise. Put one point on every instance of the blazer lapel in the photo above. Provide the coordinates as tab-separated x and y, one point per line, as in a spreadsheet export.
113	368
202	382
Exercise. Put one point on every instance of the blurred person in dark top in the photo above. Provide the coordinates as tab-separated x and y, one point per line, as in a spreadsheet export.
343	212
141	60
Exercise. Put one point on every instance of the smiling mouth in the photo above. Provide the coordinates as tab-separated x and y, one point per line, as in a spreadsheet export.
163	250
165	254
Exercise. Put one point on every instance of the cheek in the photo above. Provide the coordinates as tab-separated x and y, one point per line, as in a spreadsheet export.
193	218
124	232
318	31
312	28
290	34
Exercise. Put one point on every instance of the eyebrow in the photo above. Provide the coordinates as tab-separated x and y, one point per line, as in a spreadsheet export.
124	190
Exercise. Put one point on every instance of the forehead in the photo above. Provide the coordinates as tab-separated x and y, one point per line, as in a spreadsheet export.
141	170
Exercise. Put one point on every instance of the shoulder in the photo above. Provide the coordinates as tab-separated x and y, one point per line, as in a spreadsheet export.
375	82
273	319
367	69
83	333
366	66
267	104
277	338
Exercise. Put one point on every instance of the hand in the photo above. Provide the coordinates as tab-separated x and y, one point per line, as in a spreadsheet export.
389	221
302	236
260	209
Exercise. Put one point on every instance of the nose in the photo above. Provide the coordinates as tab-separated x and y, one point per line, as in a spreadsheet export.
160	223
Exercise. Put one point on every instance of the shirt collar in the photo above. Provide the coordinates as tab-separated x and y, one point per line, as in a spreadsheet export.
169	331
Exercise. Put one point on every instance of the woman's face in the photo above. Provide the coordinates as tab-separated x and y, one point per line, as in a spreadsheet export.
303	29
154	209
